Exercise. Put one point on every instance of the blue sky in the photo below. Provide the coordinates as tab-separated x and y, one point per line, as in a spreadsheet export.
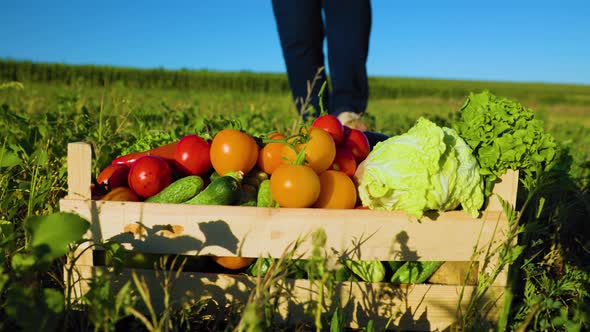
540	41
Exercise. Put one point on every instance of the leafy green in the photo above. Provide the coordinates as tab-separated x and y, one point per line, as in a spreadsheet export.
504	135
51	234
427	168
48	307
415	272
369	271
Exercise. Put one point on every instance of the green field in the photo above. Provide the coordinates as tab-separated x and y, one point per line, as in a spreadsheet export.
111	108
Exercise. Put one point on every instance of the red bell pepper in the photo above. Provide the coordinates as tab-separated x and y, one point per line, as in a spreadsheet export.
165	152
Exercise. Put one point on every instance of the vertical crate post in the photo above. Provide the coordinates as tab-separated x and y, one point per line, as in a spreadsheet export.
79	179
505	187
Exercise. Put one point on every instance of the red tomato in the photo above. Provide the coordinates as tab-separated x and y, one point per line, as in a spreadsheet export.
114	176
233	150
295	186
358	144
344	161
270	156
332	125
149	175
192	155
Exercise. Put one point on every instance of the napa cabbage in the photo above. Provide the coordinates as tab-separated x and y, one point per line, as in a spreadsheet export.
427	168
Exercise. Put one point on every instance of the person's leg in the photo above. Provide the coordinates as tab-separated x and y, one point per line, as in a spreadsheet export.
301	31
348	26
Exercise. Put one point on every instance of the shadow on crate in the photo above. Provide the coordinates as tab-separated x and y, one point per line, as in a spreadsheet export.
408	306
140	237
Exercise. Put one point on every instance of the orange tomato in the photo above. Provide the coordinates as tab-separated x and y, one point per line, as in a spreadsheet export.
337	191
233	150
233	263
270	156
294	186
120	194
276	135
320	150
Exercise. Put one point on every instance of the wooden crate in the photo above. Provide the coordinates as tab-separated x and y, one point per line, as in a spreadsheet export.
252	232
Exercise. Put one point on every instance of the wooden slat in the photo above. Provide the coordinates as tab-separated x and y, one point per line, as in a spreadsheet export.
505	187
251	231
79	180
413	307
79	170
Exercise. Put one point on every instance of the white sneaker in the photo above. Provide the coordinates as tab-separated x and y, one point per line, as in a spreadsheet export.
353	120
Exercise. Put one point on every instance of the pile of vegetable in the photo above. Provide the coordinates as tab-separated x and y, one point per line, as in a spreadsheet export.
312	168
328	165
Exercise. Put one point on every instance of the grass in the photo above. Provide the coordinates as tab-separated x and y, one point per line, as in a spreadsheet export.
551	277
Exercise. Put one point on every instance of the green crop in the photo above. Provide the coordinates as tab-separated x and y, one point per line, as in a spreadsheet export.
504	135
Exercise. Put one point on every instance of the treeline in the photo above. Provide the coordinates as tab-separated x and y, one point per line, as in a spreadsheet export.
26	71
203	80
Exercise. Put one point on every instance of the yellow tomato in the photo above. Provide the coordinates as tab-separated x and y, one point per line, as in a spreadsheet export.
320	150
233	263
233	150
337	191
294	186
120	194
270	155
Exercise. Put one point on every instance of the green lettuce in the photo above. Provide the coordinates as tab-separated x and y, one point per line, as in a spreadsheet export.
504	135
427	168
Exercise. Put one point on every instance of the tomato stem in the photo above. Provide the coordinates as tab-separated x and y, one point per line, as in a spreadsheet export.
301	138
300	159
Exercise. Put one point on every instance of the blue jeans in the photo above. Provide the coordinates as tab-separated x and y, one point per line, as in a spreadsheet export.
346	25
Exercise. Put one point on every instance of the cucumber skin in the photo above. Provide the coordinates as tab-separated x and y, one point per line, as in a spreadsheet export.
264	195
179	191
221	191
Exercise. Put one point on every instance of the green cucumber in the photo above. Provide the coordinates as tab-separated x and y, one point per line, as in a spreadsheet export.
264	195
224	190
214	176
179	191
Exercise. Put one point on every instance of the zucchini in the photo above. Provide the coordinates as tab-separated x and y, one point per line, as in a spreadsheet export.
179	191
224	190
